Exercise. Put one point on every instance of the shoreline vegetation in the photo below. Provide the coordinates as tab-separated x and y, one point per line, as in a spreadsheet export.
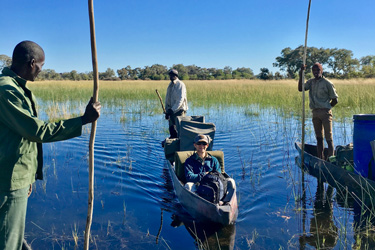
356	96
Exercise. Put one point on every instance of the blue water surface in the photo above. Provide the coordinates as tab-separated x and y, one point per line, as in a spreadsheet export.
134	205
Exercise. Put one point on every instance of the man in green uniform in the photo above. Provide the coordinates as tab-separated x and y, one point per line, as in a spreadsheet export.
323	98
21	138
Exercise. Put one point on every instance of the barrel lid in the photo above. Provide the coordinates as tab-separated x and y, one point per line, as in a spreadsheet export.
367	117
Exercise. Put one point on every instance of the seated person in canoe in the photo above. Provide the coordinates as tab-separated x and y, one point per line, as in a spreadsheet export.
201	162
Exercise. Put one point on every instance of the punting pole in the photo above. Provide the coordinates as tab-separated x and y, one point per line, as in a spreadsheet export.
303	88
161	101
93	126
303	198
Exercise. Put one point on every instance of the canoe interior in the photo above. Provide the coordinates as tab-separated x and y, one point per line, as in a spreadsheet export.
203	210
347	183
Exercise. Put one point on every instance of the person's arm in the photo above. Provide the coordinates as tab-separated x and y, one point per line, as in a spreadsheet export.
92	112
216	165
332	93
189	172
334	102
19	118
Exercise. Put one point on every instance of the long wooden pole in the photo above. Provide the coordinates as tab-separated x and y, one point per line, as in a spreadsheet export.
93	126
303	198
161	101
303	87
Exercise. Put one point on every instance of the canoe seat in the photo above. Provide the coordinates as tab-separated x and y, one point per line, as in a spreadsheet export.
181	156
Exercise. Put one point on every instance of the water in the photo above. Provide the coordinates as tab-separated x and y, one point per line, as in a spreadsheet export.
134	205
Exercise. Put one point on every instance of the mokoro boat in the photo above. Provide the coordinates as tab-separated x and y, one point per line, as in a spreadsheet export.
176	151
346	182
203	210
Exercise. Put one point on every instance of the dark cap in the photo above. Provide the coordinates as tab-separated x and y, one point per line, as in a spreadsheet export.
173	72
201	138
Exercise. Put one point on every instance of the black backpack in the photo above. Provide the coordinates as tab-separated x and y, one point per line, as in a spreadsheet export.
212	187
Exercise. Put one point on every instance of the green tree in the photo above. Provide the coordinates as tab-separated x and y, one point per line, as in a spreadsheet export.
227	70
278	76
74	76
264	74
5	61
219	74
291	60
109	74
244	73
203	74
48	74
85	76
342	63
368	66
123	73
182	70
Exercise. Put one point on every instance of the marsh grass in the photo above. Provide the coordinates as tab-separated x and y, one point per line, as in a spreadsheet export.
355	96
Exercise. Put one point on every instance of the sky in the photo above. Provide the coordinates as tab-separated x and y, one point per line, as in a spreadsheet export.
205	33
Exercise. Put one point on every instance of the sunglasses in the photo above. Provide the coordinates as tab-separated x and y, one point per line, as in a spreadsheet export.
201	143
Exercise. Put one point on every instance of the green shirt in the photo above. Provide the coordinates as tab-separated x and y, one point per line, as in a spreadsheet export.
21	133
322	91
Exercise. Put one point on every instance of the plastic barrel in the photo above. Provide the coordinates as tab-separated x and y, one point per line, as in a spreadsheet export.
363	134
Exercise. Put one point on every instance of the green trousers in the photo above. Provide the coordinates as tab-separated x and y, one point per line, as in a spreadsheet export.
13	205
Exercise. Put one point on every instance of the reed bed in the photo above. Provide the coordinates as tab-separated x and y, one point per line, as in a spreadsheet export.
355	96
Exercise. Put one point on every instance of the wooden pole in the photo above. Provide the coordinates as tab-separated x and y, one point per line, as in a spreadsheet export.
303	88
161	101
93	126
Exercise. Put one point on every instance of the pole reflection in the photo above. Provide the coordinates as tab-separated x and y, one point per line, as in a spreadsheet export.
323	232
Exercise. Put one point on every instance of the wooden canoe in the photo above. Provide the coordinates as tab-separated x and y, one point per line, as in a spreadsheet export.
357	187
203	210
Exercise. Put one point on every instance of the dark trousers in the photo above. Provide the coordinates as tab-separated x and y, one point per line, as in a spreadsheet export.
173	123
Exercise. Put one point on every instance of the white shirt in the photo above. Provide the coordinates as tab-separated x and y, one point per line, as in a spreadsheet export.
175	98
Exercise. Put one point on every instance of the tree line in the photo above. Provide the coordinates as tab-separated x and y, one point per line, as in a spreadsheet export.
337	63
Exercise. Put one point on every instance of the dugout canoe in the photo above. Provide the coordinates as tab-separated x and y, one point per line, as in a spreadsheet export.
354	185
203	210
176	151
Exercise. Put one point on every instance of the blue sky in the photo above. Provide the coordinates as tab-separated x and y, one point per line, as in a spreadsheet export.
207	33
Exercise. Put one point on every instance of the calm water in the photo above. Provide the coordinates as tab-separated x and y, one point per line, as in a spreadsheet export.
135	208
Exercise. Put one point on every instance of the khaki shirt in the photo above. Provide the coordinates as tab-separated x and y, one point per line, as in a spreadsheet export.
21	133
322	91
175	98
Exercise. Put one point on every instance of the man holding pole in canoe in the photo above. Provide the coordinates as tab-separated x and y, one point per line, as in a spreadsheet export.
175	101
323	98
22	135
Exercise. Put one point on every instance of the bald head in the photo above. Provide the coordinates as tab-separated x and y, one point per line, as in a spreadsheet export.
25	51
27	60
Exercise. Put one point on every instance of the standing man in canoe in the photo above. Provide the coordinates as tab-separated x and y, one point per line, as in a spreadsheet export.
175	102
21	138
323	98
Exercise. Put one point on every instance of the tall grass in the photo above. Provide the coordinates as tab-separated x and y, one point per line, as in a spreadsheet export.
355	96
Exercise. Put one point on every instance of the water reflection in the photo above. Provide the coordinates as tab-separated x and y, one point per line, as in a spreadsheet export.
207	236
323	231
364	227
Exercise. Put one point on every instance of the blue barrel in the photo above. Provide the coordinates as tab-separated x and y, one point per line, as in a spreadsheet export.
363	134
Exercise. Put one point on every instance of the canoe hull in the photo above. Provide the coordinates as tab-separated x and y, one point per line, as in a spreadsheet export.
358	187
201	209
